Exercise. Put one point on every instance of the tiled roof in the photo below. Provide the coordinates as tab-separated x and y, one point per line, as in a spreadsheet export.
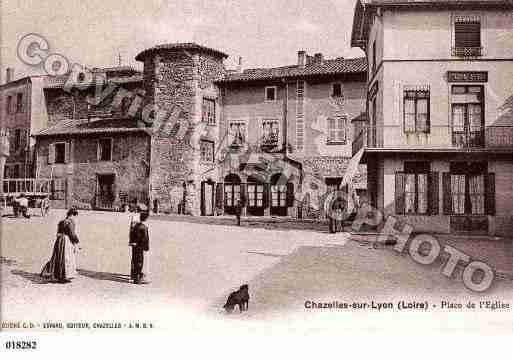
326	67
114	69
59	81
92	126
180	46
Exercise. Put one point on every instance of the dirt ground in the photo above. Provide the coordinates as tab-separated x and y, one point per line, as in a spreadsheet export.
194	266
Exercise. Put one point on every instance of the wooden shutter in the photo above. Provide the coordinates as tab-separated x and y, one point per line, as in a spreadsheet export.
447	193
400	187
434	198
290	194
266	195
51	153
243	196
66	152
490	194
219	195
467	34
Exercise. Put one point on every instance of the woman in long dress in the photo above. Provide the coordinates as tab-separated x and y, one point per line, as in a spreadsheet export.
62	266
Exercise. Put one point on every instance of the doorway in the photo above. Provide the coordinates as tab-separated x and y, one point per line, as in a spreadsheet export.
207	198
105	193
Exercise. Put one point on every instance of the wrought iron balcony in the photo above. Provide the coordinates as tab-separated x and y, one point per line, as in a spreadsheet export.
269	141
437	137
467	51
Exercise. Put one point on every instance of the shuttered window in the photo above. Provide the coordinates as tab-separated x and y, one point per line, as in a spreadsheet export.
416	193
469	193
467	34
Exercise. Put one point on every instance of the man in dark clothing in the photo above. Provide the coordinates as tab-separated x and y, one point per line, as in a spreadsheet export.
140	243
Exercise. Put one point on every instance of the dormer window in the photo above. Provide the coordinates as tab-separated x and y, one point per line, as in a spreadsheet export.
467	36
270	93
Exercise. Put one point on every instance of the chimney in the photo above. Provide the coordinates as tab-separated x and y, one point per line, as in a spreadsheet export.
239	65
318	58
9	74
301	58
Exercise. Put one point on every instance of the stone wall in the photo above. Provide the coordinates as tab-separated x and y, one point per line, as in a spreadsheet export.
174	82
62	105
129	165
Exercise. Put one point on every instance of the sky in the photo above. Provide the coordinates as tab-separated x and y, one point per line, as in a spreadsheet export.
94	33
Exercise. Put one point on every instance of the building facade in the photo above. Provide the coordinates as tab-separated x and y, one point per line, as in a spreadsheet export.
188	136
297	119
15	100
438	143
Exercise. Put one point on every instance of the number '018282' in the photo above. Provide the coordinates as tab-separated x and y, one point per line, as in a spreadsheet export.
20	345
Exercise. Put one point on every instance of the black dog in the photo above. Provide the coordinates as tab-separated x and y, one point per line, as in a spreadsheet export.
240	298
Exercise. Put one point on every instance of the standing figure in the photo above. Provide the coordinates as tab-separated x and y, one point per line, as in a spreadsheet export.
140	243
62	267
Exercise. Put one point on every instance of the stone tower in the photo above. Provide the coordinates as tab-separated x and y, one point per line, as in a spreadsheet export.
177	78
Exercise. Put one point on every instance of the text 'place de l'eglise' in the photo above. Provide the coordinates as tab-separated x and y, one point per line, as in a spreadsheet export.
428	113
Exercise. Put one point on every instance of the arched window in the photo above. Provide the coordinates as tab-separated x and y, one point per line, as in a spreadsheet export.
232	191
278	190
256	191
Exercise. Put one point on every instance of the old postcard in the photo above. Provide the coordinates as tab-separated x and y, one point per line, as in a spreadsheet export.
286	167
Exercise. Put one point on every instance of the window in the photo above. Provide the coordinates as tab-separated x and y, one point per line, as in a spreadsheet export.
270	131
209	111
58	191
416	189
207	151
255	195
105	149
237	131
337	131
16	171
467	105
336	90
17	139
469	189
279	195
19	102
270	93
416	110
467	36
60	152
8	107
